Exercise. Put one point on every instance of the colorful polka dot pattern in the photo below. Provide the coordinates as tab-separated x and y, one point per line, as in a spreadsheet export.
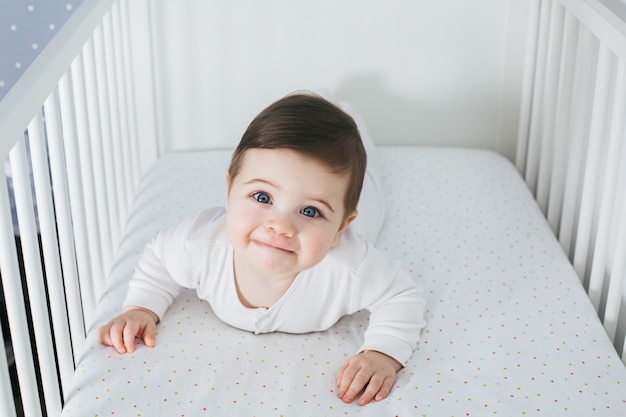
509	332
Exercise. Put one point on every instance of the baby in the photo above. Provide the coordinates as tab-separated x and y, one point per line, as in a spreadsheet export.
280	256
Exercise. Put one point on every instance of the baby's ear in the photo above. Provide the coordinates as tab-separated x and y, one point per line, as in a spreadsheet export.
343	227
349	220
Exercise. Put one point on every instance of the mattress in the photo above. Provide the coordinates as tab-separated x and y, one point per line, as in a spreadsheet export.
510	330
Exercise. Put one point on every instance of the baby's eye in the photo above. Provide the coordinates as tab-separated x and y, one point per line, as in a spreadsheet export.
310	212
262	197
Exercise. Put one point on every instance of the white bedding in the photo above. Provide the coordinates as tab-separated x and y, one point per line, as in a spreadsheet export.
510	331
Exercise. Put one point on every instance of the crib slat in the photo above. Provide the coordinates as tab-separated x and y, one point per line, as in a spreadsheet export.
616	283
617	251
52	215
616	233
49	245
78	248
16	310
129	93
97	160
607	190
117	154
106	143
122	104
549	102
7	406
587	218
16	314
603	20
578	127
34	276
534	134
618	276
62	204
527	89
561	126
96	236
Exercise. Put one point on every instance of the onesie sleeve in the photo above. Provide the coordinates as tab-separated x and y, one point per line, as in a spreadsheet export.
165	266
395	303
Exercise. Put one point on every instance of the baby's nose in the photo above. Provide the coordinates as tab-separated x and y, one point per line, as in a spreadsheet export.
281	224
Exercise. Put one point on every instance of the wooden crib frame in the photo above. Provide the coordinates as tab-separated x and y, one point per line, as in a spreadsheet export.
76	109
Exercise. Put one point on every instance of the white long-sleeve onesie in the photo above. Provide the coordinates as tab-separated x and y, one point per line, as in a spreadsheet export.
353	276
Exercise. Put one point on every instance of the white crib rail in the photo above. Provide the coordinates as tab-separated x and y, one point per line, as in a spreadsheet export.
79	155
572	144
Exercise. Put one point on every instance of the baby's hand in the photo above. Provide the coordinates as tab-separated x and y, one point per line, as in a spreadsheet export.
372	370
122	330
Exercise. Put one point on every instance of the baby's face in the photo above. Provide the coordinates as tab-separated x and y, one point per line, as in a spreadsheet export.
284	211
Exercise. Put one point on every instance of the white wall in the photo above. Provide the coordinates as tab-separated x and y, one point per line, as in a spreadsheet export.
431	72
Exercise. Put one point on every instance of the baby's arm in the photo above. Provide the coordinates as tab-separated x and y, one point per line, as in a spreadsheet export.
396	307
372	370
150	292
176	258
123	329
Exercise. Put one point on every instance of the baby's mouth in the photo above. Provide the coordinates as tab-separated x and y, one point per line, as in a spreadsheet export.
275	246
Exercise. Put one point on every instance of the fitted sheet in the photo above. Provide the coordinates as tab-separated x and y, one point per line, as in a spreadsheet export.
509	329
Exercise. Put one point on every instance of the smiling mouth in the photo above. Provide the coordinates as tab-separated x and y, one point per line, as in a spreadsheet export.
267	245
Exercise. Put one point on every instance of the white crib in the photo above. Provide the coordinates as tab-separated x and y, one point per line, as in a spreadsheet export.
73	119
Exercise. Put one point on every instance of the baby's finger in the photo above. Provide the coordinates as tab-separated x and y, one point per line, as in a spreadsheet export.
385	389
347	376
103	335
149	335
356	385
340	374
115	335
130	331
377	389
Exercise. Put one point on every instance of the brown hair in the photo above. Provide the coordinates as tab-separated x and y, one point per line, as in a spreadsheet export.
311	126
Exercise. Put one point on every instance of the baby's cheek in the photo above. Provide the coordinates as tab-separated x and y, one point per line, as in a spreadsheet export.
235	231
314	251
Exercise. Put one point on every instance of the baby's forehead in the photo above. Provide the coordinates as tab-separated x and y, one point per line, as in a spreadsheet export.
294	154
254	162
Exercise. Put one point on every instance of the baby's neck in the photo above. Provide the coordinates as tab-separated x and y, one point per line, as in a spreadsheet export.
256	291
